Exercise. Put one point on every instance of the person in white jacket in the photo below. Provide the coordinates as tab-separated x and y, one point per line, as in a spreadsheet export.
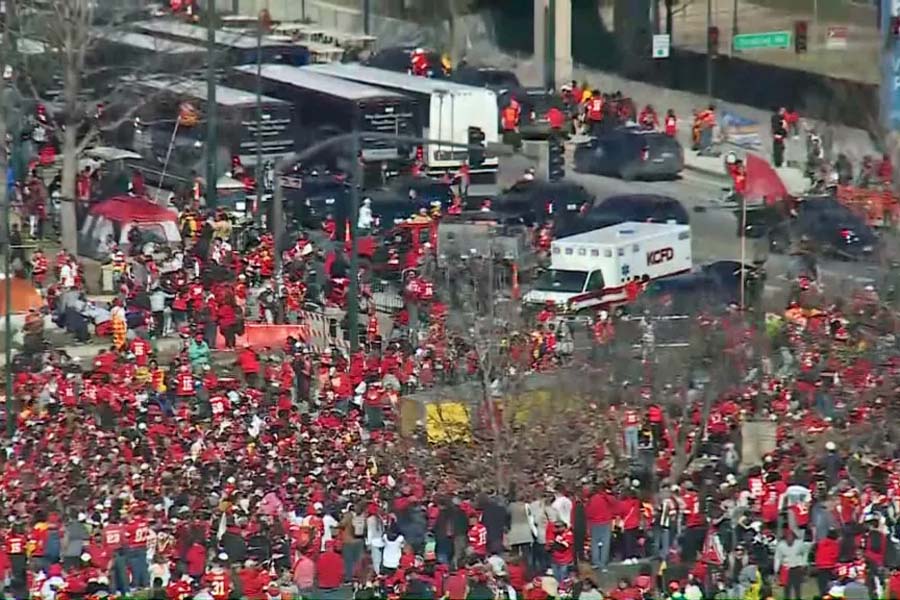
375	539
366	219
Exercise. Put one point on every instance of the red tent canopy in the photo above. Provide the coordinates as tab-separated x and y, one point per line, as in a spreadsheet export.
763	182
128	209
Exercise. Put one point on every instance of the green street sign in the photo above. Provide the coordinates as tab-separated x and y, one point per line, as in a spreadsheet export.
759	41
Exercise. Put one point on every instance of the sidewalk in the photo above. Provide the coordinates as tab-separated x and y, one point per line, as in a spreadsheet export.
713	166
855	143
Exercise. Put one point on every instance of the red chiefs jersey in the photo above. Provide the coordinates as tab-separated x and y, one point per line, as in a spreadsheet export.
692	515
219	583
141	349
631	418
138	533
800	510
769	504
184	384
14	544
114	536
477	536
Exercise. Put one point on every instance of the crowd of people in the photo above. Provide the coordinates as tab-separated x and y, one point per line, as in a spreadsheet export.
284	473
766	466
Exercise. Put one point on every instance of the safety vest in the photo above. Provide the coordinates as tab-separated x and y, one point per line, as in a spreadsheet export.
595	109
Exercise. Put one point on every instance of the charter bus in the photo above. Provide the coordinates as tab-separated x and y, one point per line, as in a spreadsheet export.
329	106
239	48
125	53
172	123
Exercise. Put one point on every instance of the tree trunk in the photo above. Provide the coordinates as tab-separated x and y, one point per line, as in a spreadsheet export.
68	220
72	86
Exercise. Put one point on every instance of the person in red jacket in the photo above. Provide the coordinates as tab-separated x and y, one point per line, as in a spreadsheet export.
630	513
248	362
828	551
561	546
329	569
599	512
893	585
227	318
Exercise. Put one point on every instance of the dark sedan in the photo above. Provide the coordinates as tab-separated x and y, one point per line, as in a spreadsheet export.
498	80
826	226
646	208
711	287
538	201
631	153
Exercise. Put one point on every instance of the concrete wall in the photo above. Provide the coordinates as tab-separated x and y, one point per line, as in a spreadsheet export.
472	34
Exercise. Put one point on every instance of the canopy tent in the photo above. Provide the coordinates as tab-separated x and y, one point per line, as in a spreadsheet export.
113	219
763	181
24	296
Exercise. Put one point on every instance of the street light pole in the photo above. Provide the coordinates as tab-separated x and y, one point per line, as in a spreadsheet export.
259	118
212	142
709	50
10	402
734	25
353	292
367	10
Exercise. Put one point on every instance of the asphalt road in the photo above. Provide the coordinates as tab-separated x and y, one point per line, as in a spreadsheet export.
714	229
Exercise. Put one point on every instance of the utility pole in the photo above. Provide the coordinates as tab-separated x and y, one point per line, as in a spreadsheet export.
261	22
367	10
212	141
353	292
709	50
8	338
734	25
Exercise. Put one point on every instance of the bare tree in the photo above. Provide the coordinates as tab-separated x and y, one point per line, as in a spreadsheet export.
68	30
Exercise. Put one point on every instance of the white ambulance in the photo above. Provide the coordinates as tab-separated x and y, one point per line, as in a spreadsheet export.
591	269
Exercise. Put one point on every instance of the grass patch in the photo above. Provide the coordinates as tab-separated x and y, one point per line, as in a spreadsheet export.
838	11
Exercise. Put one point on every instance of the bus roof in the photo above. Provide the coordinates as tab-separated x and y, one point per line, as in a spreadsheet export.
393	79
225	96
146	42
186	31
333	86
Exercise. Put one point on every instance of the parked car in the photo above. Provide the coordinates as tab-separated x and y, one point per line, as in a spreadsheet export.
631	153
650	208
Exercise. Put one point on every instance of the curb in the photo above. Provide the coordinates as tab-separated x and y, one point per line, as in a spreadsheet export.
706	171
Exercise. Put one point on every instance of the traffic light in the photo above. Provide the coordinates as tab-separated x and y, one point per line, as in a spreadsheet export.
712	40
556	159
801	37
476	138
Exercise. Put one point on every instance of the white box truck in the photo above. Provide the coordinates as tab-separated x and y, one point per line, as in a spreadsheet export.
591	269
444	110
